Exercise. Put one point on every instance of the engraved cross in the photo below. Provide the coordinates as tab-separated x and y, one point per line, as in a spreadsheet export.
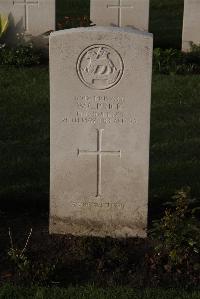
99	153
119	6
26	4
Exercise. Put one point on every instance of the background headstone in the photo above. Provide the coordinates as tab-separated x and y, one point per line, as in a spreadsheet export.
122	13
100	81
29	17
191	24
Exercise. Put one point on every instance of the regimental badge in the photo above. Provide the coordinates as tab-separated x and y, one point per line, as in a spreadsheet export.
100	67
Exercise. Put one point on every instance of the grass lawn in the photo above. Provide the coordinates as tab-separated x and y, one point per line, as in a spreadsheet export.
175	136
90	292
166	18
24	138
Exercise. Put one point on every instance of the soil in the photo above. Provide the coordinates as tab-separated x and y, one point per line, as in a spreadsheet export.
65	259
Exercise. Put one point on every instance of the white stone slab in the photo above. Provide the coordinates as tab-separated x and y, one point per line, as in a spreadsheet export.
32	17
191	24
122	13
100	82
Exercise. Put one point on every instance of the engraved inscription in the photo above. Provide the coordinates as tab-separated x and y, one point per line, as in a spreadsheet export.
100	67
26	4
120	7
106	205
99	153
100	110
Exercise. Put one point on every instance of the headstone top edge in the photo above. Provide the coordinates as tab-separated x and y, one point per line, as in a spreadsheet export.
102	29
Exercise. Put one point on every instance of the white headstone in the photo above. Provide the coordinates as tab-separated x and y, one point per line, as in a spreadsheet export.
100	82
31	17
121	13
191	24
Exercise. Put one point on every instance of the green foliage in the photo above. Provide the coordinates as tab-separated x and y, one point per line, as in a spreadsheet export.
165	61
178	236
193	56
172	61
23	54
3	24
74	22
20	55
41	272
195	48
25	269
18	257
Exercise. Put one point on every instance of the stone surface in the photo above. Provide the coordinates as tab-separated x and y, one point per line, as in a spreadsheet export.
122	13
29	17
100	82
191	24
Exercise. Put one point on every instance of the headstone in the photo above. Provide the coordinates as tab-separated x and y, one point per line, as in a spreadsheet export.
191	24
121	13
29	17
100	80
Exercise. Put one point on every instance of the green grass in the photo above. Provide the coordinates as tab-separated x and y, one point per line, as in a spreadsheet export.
175	136
24	138
90	292
166	18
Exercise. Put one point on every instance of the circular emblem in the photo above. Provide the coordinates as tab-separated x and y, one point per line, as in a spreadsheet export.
100	67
